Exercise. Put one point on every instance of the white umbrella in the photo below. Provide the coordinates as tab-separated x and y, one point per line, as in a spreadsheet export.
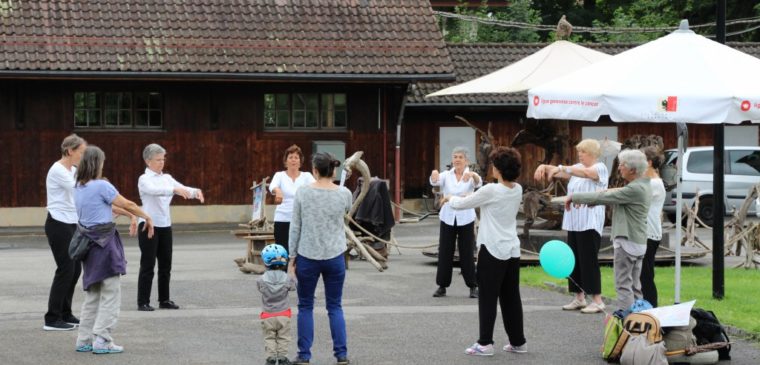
682	77
549	63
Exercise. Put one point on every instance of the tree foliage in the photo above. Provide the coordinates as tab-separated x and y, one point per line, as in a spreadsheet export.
597	13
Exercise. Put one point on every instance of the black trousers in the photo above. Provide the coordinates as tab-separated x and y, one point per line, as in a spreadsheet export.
66	273
158	248
585	246
648	287
499	280
282	234
449	236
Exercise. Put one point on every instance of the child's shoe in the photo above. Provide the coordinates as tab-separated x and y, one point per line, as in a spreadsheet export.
479	350
342	361
299	361
518	349
102	346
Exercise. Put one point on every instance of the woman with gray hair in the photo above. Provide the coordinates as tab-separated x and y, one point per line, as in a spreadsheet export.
60	225
104	262
456	225
156	192
584	224
630	206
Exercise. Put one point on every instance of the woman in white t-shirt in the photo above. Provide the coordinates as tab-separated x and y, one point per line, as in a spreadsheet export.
498	272
284	186
583	223
60	225
654	225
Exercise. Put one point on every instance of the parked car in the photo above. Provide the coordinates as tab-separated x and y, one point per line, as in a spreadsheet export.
742	171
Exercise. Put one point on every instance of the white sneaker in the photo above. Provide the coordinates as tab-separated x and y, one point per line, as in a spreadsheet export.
574	305
479	350
106	347
517	349
593	308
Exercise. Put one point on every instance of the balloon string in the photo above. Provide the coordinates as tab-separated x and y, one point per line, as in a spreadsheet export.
584	293
620	324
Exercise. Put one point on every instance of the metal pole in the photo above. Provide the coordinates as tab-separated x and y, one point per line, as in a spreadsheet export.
679	203
719	209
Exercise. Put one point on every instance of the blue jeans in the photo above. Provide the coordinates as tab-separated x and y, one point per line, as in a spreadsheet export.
333	273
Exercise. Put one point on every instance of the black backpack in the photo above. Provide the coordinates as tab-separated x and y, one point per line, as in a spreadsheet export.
709	330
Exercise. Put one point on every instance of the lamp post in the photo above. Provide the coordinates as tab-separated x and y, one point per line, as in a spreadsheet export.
719	209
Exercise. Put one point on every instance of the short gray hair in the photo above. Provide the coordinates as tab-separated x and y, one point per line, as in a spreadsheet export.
152	150
634	160
71	142
462	150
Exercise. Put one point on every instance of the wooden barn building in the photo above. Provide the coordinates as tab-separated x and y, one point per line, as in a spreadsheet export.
224	86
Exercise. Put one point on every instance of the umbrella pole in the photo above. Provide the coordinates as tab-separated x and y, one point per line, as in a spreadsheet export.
679	204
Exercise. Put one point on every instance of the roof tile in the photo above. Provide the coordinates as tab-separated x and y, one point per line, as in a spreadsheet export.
312	37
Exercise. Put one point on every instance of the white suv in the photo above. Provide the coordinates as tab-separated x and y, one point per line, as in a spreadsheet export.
742	171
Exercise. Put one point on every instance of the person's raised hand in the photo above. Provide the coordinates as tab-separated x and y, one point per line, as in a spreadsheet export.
434	176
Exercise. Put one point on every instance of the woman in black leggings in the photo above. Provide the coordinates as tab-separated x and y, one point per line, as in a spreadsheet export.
60	225
498	272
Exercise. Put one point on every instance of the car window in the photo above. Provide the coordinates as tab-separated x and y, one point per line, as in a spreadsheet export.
700	162
671	157
744	162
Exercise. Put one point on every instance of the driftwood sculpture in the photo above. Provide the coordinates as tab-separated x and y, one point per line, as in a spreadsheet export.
553	137
363	249
740	234
636	141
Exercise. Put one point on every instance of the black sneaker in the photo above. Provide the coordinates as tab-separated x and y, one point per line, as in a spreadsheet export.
282	360
342	361
474	292
300	361
58	325
440	292
168	304
70	319
145	308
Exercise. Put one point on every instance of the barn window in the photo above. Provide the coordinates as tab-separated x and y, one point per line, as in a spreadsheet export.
305	111
119	110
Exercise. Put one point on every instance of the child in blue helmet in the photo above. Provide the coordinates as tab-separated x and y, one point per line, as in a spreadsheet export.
274	286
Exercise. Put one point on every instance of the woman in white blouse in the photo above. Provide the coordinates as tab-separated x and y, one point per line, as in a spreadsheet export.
498	271
654	224
156	192
60	225
583	223
456	225
284	186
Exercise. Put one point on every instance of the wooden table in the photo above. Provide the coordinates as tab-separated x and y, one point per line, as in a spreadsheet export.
256	243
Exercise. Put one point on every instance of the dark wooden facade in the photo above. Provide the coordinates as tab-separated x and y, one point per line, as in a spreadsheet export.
213	132
421	126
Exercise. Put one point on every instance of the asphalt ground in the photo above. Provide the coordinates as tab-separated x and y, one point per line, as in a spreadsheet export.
391	316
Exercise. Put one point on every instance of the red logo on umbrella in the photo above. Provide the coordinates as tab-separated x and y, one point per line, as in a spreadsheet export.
746	105
536	100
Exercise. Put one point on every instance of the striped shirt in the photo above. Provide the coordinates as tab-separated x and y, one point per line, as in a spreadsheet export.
584	217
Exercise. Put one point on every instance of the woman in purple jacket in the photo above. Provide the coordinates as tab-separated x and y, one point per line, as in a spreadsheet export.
104	263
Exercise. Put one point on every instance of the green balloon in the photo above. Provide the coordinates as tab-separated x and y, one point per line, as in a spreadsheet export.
557	259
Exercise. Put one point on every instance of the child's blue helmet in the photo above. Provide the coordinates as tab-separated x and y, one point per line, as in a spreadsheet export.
274	255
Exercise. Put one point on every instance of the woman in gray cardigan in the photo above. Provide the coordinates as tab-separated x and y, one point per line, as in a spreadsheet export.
630	206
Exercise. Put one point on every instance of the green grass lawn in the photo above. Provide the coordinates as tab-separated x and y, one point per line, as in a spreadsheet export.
739	308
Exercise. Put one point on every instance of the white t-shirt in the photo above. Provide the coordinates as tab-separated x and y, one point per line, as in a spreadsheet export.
654	222
284	211
447	180
584	217
498	217
60	193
